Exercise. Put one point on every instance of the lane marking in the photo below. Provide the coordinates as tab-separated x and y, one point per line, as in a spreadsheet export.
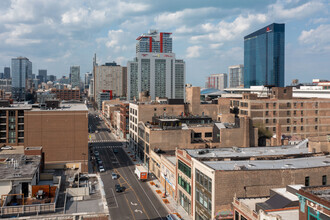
133	203
136	210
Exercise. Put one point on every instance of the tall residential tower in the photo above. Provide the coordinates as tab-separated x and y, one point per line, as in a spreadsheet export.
264	56
155	69
236	76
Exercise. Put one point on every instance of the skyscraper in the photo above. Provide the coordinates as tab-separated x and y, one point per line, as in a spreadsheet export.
21	70
6	73
217	81
42	75
88	77
264	56
155	68
75	76
236	76
154	42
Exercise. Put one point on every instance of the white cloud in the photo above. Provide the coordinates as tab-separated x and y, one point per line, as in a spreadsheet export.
227	31
193	51
280	9
316	39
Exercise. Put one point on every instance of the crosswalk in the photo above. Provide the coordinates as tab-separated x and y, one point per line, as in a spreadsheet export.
101	141
107	147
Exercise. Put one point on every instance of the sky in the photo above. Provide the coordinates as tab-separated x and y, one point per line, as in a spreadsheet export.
207	34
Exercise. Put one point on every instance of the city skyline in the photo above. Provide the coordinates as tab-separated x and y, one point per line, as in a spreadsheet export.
208	36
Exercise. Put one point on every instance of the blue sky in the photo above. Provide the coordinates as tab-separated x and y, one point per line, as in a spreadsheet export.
207	34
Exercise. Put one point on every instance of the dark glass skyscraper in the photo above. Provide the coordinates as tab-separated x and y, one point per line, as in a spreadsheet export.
264	56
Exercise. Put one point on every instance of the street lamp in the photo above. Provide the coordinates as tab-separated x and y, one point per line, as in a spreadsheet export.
165	175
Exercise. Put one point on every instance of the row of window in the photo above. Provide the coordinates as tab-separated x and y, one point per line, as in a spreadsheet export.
294	128
204	180
184	184
184	168
133	111
324	180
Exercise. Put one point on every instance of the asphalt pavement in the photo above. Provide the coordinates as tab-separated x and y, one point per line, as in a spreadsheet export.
137	201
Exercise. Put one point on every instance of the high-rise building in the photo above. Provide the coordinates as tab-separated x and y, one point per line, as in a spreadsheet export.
154	42
110	77
236	76
88	77
6	72
1	75
42	75
264	56
75	76
52	78
21	69
155	69
217	81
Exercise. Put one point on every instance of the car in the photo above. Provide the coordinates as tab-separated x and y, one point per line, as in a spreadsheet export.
99	162
172	217
118	188
6	148
114	176
96	153
101	169
115	151
96	131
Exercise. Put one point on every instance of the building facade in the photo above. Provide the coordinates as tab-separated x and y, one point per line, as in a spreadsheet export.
75	76
154	42
66	94
110	77
6	72
281	114
42	75
217	81
264	56
236	76
21	71
155	69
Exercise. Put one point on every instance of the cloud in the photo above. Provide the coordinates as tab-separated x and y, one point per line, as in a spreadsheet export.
193	51
316	39
280	9
227	31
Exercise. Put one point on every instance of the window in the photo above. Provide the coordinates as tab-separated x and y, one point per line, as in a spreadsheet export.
302	128
197	135
316	111
267	105
274	129
266	121
287	128
288	120
302	112
302	120
274	120
164	109
307	181
295	104
294	128
284	91
324	180
184	168
236	215
266	112
274	105
302	104
315	127
294	112
288	104
208	134
288	113
155	109
274	113
316	119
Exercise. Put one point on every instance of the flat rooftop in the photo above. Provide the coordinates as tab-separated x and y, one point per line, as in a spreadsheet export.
297	163
233	152
66	107
18	166
320	191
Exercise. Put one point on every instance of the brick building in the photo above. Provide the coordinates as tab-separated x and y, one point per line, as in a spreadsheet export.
67	94
279	113
124	123
315	202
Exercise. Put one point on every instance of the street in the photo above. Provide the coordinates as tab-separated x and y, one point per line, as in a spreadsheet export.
136	201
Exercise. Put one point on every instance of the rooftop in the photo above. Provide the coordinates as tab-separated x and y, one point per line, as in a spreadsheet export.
233	152
297	163
18	166
320	191
66	107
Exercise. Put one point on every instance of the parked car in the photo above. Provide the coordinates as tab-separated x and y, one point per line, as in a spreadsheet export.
118	188
115	151
114	176
6	148
96	153
101	169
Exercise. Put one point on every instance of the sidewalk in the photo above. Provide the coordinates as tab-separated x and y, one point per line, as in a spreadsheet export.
169	202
